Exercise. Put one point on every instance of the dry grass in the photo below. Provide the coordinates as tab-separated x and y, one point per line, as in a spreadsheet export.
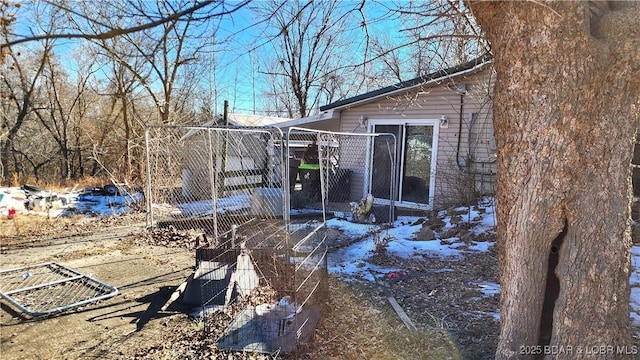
25	226
356	326
81	254
61	185
30	228
352	327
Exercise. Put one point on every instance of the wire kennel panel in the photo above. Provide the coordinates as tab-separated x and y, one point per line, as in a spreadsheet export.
50	288
260	280
309	256
212	177
262	286
351	170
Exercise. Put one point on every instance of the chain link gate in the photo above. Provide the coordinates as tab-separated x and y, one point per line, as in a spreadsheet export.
354	175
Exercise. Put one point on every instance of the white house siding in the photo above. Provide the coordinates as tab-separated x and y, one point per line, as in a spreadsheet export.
453	183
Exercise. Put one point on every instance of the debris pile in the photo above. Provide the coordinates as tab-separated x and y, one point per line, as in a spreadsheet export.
92	201
362	212
169	237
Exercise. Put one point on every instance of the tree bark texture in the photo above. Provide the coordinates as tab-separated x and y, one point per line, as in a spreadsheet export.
566	107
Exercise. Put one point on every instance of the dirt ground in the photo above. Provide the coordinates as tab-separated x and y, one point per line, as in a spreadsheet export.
453	319
144	275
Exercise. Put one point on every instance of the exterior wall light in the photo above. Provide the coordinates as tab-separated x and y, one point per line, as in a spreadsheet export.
444	123
363	121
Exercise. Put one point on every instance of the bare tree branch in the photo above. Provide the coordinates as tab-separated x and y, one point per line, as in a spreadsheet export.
118	32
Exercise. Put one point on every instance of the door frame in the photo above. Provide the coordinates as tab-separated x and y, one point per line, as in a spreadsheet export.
435	123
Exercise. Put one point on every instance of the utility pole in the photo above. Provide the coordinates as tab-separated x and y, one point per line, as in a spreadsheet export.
225	113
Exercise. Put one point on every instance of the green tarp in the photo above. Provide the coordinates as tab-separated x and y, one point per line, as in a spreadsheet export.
309	167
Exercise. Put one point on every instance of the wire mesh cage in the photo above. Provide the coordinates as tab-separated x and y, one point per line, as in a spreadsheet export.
260	278
352	174
260	200
273	276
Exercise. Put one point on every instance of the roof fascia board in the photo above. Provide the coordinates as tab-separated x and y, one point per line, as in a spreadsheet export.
325	115
429	83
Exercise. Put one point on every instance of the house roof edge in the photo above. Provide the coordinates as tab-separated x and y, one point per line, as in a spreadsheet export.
322	116
467	68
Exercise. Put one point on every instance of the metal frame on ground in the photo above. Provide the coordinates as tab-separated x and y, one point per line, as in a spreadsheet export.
50	288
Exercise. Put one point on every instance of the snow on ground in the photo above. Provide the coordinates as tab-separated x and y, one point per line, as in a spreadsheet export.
52	204
101	205
204	208
352	263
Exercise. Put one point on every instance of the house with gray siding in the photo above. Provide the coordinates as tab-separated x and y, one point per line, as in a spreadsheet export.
444	130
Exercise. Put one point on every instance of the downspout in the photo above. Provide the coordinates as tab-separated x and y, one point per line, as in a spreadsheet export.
462	90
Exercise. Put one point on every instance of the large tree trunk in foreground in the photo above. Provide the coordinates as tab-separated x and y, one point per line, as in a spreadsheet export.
566	109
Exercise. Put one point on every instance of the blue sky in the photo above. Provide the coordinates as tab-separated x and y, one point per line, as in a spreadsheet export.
240	64
235	67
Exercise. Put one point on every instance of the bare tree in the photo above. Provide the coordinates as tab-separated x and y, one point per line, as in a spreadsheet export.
118	138
433	35
89	25
159	47
64	105
565	113
7	18
309	45
21	74
167	52
121	89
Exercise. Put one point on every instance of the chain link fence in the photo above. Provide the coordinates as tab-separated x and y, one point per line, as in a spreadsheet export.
260	201
252	260
354	176
211	178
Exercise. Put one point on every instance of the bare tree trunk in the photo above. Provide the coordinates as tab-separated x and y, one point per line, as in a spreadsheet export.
565	113
23	98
